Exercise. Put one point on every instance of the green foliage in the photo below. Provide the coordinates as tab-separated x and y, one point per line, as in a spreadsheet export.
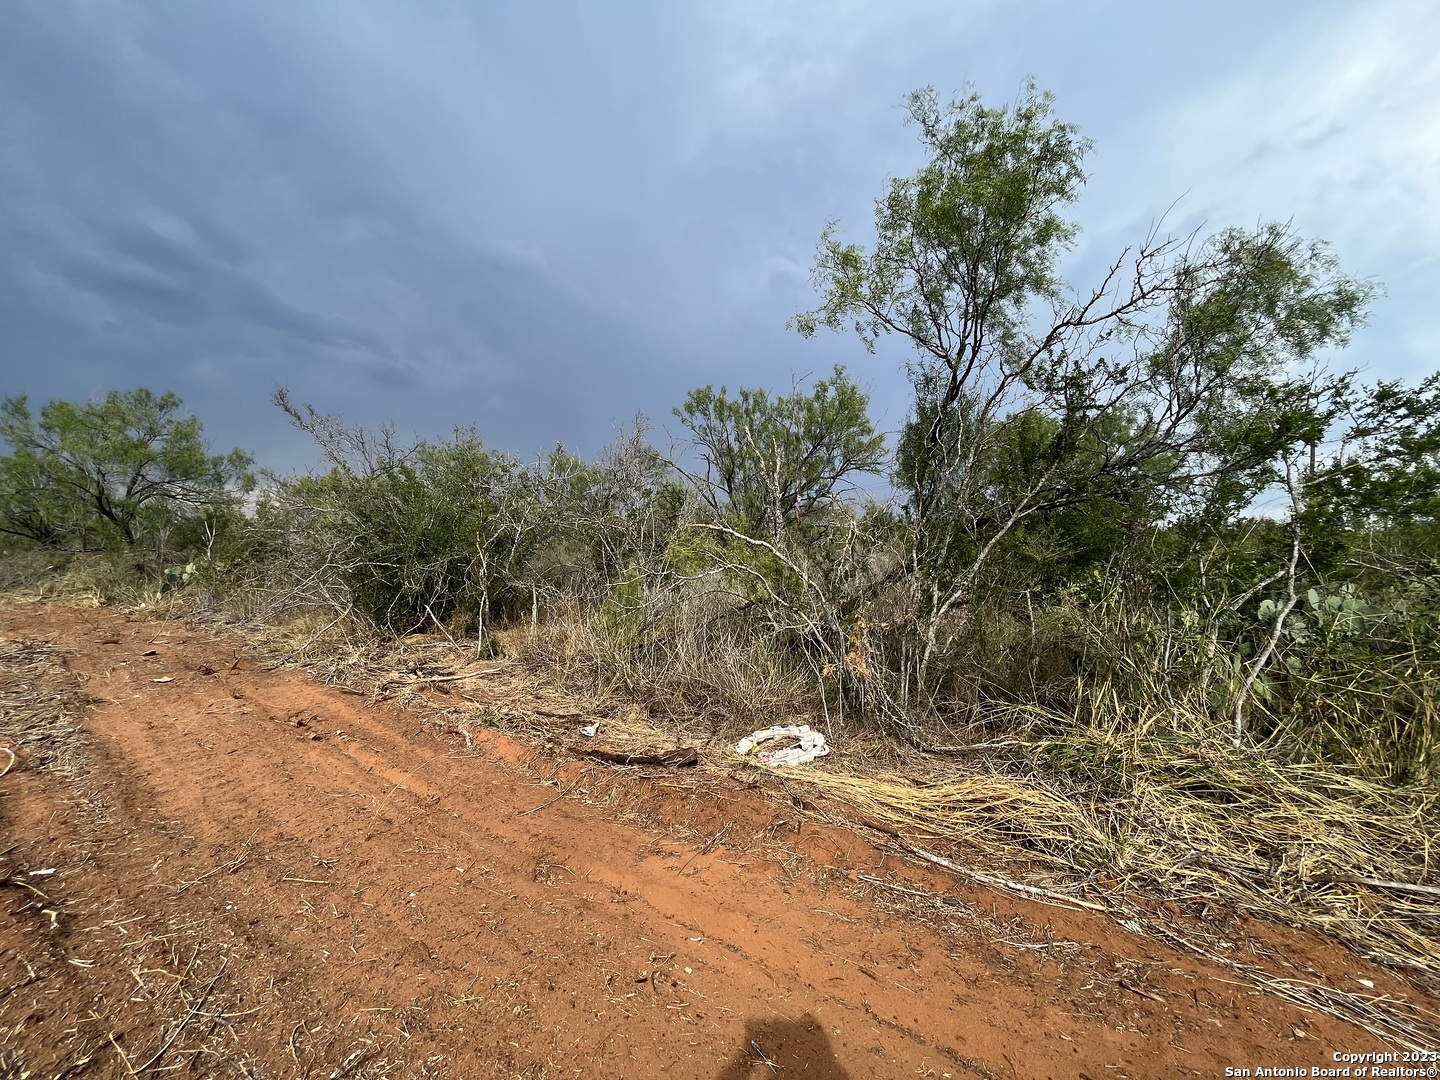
124	470
973	236
781	538
1378	500
1244	326
34	505
454	533
1064	429
418	537
777	466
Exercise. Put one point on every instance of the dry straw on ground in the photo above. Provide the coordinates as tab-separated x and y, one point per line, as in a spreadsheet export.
40	704
1304	846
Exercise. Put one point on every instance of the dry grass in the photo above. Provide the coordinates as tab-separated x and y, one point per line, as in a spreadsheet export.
40	705
1207	829
694	665
85	580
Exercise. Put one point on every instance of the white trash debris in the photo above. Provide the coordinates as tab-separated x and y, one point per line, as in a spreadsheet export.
806	745
590	730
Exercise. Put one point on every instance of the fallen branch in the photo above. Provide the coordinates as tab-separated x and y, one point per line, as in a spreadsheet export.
993	881
204	997
550	802
461	675
410	680
1376	883
346	1067
968	748
1142	992
677	758
23	885
869	879
232	866
123	1056
1034	892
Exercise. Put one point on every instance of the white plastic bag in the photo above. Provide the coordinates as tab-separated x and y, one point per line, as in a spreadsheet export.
806	745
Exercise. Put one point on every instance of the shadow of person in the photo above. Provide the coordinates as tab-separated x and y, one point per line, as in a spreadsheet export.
782	1047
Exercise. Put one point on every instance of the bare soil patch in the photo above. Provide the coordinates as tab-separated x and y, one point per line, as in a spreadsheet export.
213	868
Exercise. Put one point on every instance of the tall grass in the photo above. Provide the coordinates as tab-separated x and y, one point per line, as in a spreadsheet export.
87	578
688	656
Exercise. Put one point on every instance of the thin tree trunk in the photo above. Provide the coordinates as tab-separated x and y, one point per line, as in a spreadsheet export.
1281	614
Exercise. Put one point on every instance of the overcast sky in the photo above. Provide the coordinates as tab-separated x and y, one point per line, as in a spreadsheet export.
539	218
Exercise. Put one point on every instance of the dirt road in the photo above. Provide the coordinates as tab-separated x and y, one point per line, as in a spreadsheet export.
230	871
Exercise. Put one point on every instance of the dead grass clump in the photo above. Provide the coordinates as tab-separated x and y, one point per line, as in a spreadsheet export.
86	579
1202	826
40	705
694	663
138	995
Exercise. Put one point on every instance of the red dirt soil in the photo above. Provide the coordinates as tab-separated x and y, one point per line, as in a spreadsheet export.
259	876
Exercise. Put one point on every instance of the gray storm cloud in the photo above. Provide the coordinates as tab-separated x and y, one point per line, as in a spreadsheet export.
535	220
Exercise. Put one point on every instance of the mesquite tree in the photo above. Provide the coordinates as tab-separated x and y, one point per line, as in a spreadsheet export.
1178	386
110	470
773	465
